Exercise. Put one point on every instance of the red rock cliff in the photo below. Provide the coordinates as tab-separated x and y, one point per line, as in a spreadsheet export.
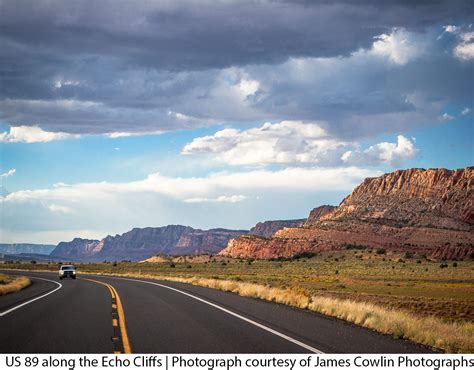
425	211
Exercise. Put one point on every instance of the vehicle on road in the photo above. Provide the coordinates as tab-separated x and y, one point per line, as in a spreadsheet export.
66	271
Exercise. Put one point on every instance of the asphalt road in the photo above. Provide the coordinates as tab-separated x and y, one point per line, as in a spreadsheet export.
85	316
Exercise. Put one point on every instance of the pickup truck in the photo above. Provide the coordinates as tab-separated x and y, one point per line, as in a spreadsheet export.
66	271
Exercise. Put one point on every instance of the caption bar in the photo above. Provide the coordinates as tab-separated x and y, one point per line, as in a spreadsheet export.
237	362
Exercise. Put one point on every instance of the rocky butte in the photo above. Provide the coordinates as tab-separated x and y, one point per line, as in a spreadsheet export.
428	212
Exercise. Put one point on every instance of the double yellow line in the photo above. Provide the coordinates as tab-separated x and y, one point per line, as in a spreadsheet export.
120	322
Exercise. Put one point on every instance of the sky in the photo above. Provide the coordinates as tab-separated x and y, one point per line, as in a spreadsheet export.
121	114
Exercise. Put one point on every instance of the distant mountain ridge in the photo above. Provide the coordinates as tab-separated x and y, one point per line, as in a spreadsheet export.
429	212
141	243
18	248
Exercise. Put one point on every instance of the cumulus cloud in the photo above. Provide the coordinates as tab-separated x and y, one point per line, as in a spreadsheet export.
466	111
400	47
294	142
390	153
447	117
8	173
465	49
32	134
219	199
450	28
285	142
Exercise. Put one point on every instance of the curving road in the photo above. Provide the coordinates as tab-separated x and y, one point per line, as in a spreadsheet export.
96	314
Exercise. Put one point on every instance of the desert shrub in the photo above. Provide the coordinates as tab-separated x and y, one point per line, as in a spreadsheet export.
300	255
355	246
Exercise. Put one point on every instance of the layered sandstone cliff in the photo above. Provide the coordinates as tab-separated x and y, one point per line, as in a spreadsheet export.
423	211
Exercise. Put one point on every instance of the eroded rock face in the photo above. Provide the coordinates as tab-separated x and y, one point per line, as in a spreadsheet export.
317	213
422	211
77	249
138	244
268	228
438	198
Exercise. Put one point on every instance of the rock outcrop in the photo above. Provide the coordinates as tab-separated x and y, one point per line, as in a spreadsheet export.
140	243
268	228
78	249
427	212
317	213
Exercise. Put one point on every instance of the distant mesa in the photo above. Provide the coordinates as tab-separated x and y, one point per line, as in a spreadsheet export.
25	248
429	212
141	243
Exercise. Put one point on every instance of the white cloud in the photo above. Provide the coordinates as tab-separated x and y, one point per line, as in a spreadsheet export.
60	209
447	117
32	134
451	29
61	83
400	46
210	187
388	153
115	135
8	173
249	87
285	142
295	142
35	134
219	199
464	50
466	111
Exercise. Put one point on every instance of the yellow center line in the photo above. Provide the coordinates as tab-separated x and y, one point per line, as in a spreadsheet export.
121	315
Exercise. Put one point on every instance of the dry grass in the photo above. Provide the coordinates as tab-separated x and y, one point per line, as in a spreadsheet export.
10	284
430	331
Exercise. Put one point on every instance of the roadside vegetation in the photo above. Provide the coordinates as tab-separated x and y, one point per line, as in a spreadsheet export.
11	284
407	296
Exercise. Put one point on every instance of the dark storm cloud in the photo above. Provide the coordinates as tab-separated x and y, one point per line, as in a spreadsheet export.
181	35
89	66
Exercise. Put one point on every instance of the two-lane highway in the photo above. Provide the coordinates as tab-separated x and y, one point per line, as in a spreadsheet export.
166	317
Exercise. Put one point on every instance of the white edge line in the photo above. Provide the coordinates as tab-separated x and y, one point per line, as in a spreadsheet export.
34	299
273	331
